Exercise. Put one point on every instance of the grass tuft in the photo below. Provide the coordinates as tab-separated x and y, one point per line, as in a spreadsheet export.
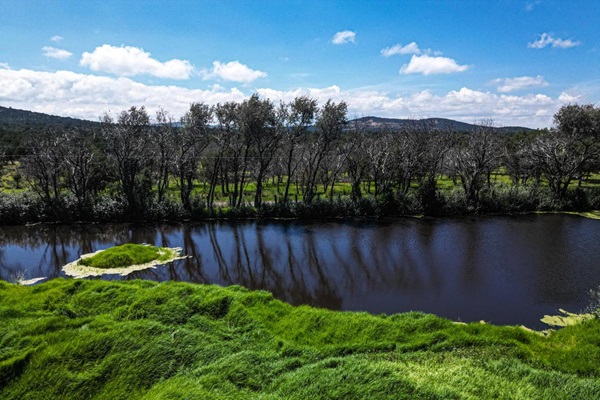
125	255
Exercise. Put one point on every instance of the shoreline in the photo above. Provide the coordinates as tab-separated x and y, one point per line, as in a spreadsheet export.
591	214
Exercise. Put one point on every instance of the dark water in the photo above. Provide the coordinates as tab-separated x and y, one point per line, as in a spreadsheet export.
504	270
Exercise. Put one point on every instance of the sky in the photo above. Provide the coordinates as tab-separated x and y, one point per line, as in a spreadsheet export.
515	62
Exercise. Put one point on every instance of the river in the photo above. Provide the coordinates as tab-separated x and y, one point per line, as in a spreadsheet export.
504	270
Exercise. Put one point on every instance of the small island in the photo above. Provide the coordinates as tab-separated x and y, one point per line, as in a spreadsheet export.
122	260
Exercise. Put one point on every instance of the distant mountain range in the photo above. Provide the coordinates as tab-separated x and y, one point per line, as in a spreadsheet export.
11	117
439	123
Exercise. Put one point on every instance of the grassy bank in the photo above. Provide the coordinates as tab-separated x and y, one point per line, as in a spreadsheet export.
111	340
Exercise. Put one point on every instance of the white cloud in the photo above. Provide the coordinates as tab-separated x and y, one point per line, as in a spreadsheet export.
4	66
88	96
568	98
532	110
546	39
506	85
529	6
344	37
232	71
56	38
427	65
131	61
411	48
53	52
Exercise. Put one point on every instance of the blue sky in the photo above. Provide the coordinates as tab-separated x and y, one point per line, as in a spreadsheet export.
515	62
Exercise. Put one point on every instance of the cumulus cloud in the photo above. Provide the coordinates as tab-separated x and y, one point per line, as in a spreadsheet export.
4	66
131	61
233	71
88	96
547	39
428	65
505	85
53	52
568	98
344	37
411	48
56	38
468	105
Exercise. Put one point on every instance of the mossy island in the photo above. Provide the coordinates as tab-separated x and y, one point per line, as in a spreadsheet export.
122	260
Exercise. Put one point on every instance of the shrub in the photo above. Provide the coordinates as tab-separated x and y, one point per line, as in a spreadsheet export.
168	208
19	208
431	201
109	208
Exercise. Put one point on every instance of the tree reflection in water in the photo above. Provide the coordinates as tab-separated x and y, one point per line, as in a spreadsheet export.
503	269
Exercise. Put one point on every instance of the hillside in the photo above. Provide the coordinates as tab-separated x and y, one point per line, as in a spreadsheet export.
15	124
439	123
12	117
83	339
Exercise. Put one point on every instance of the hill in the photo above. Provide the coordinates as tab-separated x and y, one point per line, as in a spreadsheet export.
439	123
12	117
15	124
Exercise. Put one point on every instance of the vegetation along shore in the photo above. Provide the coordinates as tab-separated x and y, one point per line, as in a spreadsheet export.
299	159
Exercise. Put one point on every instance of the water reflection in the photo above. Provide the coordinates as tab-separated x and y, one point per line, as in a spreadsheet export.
507	270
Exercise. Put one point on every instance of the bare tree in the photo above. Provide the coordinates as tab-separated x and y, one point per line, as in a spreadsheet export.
189	143
233	152
128	144
82	165
571	150
337	159
44	165
162	151
386	150
474	157
330	123
299	117
262	128
518	161
358	161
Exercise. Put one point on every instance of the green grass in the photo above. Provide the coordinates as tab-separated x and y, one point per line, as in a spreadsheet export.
7	181
80	339
125	256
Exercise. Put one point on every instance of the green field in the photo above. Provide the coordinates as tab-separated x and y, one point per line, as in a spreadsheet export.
81	339
8	172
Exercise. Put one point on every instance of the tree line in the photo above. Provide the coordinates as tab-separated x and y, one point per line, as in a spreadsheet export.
212	158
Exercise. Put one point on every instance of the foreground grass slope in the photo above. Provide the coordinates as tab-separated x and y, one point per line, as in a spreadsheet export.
80	339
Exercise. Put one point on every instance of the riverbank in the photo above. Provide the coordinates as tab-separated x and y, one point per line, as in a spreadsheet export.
140	339
594	214
26	208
